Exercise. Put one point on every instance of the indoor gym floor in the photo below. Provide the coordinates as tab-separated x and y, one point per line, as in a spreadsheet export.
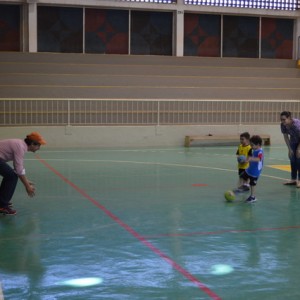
139	224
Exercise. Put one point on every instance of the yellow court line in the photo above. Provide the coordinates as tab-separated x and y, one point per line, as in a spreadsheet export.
286	168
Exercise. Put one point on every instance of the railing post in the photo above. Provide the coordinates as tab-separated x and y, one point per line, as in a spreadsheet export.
158	112
68	128
69	113
241	109
298	53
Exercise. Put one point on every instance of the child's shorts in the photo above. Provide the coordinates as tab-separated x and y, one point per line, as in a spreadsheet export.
253	180
241	171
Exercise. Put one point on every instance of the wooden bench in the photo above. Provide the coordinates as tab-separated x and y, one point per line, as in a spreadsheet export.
190	138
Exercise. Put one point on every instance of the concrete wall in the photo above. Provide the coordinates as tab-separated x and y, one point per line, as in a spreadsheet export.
137	136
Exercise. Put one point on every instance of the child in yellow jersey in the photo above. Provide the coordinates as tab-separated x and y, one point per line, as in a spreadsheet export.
243	149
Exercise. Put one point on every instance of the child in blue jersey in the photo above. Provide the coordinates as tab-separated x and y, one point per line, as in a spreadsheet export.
244	149
256	162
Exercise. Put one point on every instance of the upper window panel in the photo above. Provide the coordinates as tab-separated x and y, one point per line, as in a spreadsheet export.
154	1
262	4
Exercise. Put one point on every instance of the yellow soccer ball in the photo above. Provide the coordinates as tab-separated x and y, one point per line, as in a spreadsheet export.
229	196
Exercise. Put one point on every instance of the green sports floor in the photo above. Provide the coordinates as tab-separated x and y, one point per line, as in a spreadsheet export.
141	224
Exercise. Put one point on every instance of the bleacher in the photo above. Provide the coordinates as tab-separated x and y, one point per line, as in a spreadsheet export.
52	75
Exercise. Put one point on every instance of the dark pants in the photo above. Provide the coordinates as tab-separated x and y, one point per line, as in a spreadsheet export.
295	164
8	184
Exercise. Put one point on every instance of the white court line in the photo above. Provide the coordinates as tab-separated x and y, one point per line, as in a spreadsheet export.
140	149
111	150
155	164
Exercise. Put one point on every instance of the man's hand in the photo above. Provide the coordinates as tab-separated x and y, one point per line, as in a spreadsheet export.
29	185
30	189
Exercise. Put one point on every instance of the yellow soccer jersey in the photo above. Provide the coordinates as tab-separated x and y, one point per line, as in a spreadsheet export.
244	150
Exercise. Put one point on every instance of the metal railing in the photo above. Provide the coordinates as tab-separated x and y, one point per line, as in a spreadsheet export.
93	112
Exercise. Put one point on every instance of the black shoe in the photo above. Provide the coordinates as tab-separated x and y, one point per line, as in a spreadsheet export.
250	199
242	189
292	182
246	188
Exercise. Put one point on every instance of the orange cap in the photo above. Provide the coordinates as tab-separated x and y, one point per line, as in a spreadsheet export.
36	137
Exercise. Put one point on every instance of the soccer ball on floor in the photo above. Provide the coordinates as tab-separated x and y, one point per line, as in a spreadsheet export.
229	196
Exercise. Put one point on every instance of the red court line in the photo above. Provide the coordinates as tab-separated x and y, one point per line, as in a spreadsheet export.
176	266
221	232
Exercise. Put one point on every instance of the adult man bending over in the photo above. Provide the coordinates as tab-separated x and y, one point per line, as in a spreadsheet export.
14	150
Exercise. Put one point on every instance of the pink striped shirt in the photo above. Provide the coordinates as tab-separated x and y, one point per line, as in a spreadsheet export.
14	150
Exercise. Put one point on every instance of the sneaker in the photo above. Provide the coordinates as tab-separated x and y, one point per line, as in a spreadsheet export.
250	199
7	211
245	188
291	182
242	189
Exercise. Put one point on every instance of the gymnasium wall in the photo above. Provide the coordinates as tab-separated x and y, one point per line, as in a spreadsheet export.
115	31
134	136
